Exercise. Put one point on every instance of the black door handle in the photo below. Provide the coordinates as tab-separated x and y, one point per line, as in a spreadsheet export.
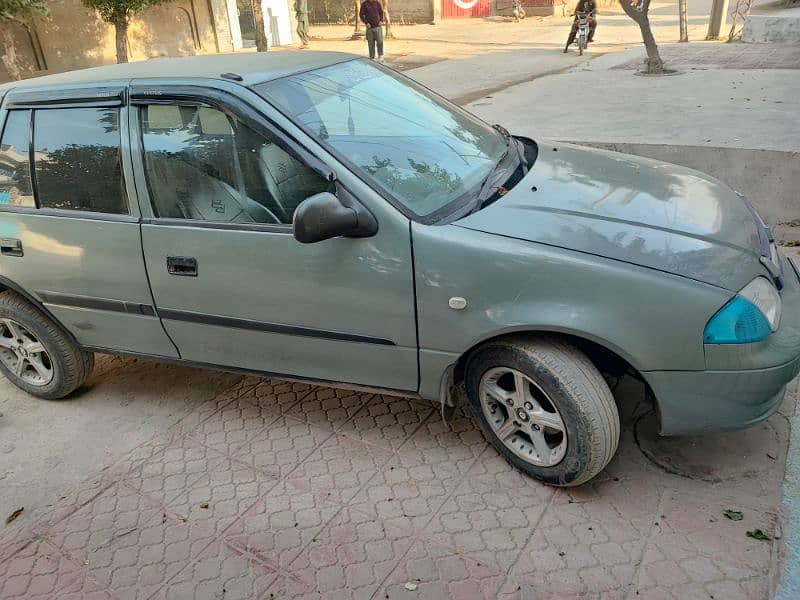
185	266
11	247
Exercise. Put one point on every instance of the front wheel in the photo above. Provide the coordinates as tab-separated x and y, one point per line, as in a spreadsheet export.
544	407
581	44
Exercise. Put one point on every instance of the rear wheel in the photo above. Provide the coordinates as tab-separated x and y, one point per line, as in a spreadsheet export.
545	407
35	354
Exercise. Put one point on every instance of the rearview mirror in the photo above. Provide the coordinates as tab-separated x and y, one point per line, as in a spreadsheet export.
324	216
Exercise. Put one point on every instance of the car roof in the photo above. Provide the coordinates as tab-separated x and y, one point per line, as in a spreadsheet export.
253	67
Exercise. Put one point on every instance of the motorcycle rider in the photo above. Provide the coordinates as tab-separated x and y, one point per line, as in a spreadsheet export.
584	6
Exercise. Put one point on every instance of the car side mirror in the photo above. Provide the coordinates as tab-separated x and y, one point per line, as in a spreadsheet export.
324	216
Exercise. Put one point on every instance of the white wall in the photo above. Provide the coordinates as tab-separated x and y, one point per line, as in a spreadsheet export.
279	9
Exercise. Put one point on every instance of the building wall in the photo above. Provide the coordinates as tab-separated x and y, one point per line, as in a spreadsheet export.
75	37
342	11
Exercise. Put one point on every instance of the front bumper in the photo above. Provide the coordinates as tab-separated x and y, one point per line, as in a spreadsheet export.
742	384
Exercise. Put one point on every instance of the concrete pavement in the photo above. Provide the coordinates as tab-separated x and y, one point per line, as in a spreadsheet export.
730	111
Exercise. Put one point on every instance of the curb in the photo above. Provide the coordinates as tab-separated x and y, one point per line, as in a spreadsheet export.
789	585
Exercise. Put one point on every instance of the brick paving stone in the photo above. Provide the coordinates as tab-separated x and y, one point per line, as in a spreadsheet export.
279	448
405	498
306	492
413	485
338	469
234	424
441	571
387	421
492	514
220	495
281	524
165	474
329	407
136	565
695	547
221	572
349	558
279	395
119	512
39	570
443	450
590	541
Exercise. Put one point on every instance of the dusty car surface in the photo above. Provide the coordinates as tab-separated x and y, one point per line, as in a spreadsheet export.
319	216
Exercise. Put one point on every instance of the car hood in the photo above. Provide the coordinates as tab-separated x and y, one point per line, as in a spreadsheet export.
631	209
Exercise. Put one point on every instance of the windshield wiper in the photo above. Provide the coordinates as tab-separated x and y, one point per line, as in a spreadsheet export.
511	140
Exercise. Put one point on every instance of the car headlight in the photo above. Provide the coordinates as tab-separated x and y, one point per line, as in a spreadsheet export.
750	316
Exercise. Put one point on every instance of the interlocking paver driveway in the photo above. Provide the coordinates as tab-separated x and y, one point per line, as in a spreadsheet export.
277	490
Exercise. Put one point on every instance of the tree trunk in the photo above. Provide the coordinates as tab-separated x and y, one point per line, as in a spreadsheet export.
654	63
121	28
682	8
357	31
9	56
387	20
262	44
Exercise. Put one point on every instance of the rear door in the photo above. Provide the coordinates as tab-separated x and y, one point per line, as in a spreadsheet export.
232	285
70	231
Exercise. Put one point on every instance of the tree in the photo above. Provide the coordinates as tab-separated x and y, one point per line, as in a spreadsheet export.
684	25
387	19
357	31
262	44
637	10
23	13
119	13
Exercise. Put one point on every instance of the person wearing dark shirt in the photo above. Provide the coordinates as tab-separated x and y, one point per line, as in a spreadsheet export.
584	6
371	15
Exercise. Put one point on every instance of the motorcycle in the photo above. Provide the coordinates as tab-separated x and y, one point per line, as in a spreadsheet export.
517	10
583	31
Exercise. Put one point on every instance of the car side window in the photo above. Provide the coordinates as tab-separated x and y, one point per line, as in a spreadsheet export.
15	170
77	163
203	164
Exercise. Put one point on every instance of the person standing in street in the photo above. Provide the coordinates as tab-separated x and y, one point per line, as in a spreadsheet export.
301	12
371	14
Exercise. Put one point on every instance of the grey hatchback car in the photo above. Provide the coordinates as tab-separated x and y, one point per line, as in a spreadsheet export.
318	216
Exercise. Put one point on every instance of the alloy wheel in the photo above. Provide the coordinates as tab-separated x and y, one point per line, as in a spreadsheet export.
23	354
523	417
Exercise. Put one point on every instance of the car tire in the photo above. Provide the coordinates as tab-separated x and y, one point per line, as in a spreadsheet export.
541	385
55	367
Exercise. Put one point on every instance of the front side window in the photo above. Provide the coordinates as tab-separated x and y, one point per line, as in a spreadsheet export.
15	171
77	162
202	164
423	151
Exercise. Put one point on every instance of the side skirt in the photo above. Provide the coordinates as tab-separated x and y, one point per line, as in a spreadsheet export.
241	371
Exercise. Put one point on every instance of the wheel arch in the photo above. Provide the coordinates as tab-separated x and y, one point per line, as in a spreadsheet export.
604	356
7	284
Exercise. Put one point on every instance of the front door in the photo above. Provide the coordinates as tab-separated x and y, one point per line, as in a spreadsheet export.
232	285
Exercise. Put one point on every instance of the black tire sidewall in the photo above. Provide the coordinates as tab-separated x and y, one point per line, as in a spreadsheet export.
37	324
578	455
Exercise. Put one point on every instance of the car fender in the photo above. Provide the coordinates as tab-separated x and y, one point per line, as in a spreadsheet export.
652	319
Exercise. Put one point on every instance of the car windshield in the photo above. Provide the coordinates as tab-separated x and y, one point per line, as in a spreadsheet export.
424	151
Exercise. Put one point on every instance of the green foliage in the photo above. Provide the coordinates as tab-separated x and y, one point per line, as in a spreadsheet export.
22	10
119	11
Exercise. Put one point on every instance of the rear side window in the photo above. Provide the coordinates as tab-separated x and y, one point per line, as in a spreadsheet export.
77	159
15	172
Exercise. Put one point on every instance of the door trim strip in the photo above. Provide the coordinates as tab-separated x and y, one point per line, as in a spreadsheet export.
250	325
133	308
148	310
